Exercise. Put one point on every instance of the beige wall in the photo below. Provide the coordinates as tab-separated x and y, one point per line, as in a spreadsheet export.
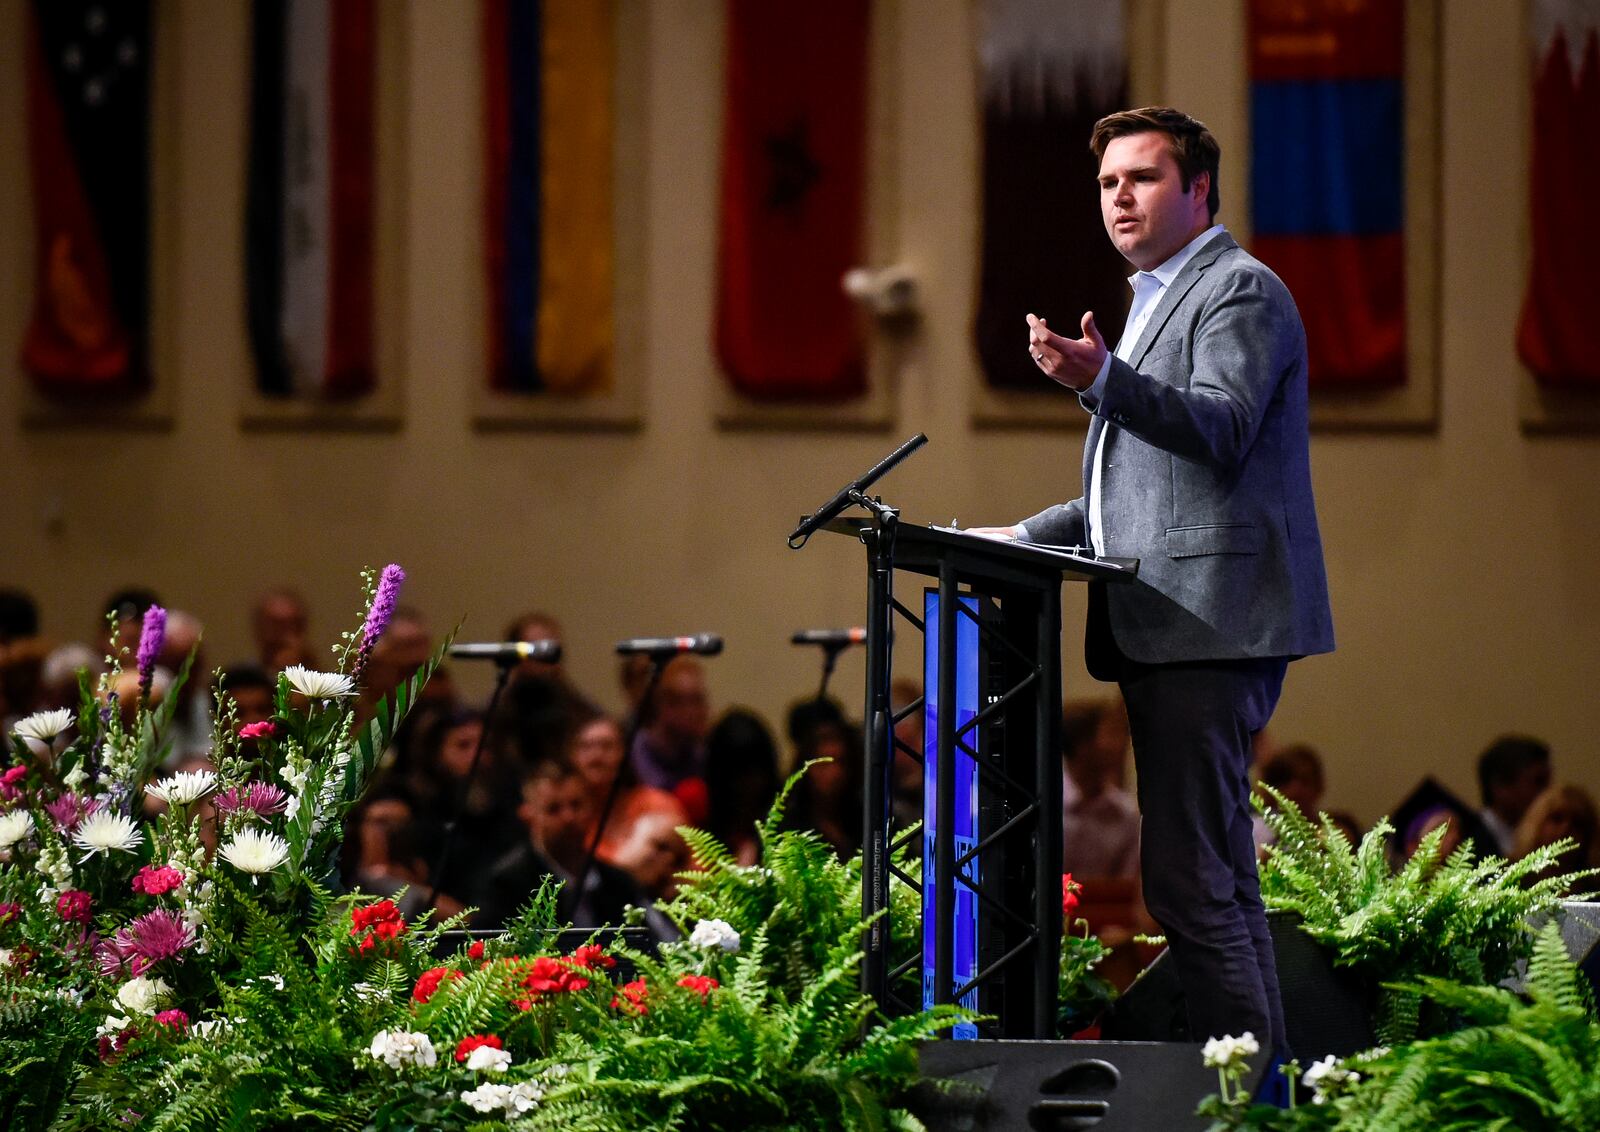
1461	561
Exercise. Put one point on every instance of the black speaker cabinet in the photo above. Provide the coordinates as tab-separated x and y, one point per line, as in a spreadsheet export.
1017	1086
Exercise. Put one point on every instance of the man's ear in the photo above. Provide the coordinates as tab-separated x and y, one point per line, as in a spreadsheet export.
1200	187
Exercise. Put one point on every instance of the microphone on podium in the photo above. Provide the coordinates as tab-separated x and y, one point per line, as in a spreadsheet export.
830	638
508	652
701	644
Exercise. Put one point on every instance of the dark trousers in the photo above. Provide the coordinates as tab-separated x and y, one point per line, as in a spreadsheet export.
1192	726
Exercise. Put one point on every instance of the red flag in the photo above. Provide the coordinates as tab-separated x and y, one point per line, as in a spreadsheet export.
88	145
793	195
1558	337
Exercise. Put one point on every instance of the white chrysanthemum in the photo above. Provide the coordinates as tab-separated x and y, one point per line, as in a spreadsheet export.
184	788
1222	1053
14	826
113	1024
1327	1077
715	933
319	685
44	726
397	1048
104	831
255	851
140	995
487	1059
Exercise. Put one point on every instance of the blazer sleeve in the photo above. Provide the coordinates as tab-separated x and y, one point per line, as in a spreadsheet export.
1061	525
1247	337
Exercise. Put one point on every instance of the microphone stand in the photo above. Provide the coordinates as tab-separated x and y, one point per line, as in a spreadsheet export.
635	724
503	669
830	657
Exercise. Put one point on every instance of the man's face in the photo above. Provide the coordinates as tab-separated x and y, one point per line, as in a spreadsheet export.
597	753
1147	213
254	704
557	814
683	709
1519	793
280	627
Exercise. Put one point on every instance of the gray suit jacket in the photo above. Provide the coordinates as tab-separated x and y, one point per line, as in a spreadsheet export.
1207	474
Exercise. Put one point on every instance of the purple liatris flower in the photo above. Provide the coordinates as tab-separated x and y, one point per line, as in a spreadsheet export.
381	609
153	937
151	637
260	798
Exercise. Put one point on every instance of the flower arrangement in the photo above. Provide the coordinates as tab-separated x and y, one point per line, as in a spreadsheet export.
147	980
1081	992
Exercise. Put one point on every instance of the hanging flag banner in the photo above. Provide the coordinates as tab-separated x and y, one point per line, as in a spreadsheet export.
1327	177
310	216
1048	70
88	82
793	198
1558	337
548	98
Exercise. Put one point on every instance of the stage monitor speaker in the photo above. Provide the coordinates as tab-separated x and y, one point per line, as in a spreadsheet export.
1325	1009
1580	931
1038	1086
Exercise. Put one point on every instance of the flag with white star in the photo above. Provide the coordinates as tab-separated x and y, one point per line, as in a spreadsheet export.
793	198
89	157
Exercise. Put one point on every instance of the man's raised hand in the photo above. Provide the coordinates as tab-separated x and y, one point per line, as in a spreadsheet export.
1073	362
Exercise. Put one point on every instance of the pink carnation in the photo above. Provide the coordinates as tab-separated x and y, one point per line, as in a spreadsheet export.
73	906
173	1019
266	729
9	790
155	880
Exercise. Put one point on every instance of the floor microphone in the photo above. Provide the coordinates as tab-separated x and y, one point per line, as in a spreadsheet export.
701	644
509	652
830	638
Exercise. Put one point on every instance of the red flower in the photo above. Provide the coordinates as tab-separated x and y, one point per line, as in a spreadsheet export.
476	950
631	997
375	928
552	976
592	955
110	1047
173	1020
1069	895
430	980
704	984
9	912
266	729
73	906
153	880
475	1041
8	783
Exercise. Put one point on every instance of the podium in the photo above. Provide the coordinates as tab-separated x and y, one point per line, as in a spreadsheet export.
990	889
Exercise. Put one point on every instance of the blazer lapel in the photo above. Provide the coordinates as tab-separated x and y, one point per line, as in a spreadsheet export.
1187	278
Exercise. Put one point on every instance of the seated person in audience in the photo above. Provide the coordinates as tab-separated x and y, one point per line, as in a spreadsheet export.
827	800
1430	805
1425	823
1099	821
205	813
253	692
556	815
384	852
595	751
191	726
1296	773
475	810
540	707
123	620
653	853
58	676
669	752
633	676
1560	812
22	655
742	777
1512	772
280	621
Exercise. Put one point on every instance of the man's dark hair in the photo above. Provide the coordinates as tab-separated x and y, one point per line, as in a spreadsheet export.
1298	761
1193	147
1506	759
1080	721
130	603
238	676
19	616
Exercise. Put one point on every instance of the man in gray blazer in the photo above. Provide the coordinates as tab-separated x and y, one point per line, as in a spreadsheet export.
1196	463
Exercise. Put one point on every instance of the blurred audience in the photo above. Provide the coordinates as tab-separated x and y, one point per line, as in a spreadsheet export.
1099	819
280	622
742	779
827	799
1560	812
541	709
1512	772
669	752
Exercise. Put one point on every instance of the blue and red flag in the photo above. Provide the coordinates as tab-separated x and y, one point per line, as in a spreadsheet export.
793	198
548	69
310	216
1558	337
89	157
1327	177
1048	72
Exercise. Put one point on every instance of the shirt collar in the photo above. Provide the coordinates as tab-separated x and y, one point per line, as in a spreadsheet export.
1165	273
